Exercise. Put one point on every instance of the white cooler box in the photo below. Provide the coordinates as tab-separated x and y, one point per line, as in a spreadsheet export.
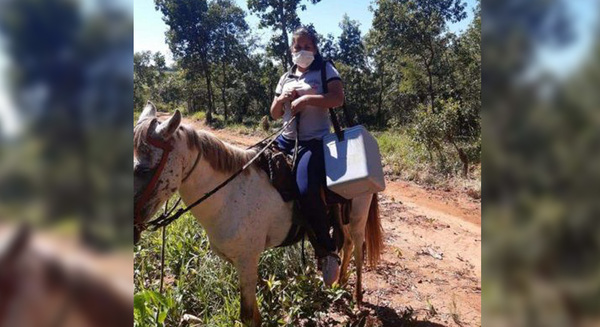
353	166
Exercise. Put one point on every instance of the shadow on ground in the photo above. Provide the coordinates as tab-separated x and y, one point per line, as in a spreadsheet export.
391	318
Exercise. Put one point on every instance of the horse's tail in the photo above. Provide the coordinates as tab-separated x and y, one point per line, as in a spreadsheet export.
374	233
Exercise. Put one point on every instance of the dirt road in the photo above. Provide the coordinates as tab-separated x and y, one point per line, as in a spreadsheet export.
431	268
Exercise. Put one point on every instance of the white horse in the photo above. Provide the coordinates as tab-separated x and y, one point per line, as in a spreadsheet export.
244	218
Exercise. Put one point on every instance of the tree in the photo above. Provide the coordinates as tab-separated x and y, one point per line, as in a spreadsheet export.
417	29
395	85
351	48
229	48
466	85
148	71
171	90
351	65
280	16
190	38
328	47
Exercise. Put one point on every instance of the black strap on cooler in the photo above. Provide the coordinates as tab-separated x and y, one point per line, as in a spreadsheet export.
332	115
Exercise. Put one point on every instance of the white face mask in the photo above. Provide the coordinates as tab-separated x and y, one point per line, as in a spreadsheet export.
303	58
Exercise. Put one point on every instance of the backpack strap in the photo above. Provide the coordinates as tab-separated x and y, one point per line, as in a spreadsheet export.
332	115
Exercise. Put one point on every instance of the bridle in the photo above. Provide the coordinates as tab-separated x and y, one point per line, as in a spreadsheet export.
166	148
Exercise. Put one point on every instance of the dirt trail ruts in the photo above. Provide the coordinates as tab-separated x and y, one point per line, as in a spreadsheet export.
431	267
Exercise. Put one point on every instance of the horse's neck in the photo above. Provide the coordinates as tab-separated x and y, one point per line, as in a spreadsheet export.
248	196
203	179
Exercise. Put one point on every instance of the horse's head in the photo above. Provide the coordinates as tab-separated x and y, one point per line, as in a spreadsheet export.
157	165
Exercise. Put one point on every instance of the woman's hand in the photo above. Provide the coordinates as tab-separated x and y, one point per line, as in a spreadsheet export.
299	104
287	96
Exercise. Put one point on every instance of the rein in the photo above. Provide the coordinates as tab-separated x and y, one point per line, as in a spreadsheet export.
166	218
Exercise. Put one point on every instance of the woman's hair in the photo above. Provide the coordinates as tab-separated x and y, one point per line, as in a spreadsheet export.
304	31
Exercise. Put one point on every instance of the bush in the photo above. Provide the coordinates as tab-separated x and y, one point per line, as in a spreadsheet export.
264	123
198	282
448	125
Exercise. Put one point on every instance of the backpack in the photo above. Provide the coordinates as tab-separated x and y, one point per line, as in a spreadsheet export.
332	116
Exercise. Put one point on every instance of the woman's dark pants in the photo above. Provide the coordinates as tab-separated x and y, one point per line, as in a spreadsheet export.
310	177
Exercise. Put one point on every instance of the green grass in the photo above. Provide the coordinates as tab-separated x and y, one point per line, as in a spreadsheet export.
409	160
201	284
200	115
403	157
248	126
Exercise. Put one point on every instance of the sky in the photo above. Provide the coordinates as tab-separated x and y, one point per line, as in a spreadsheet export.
561	61
149	29
9	125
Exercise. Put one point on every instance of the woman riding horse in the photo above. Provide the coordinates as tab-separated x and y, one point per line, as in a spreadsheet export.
300	93
245	217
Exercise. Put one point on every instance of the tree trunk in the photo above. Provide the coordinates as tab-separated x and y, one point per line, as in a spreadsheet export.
380	100
462	156
438	148
223	88
209	92
430	87
287	62
430	75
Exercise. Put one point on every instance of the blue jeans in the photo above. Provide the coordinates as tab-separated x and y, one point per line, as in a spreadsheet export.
310	177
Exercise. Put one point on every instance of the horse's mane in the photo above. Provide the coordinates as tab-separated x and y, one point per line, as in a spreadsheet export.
221	156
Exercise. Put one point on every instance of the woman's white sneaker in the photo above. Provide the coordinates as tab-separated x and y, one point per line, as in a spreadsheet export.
330	266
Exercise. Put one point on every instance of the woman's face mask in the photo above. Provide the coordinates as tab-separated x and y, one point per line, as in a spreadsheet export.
303	58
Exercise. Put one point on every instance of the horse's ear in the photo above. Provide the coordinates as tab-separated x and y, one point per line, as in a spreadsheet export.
16	245
148	112
169	126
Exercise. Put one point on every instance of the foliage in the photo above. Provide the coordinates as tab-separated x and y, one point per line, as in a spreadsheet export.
199	283
408	72
541	166
440	69
328	47
148	71
351	49
418	28
68	75
145	302
203	34
281	16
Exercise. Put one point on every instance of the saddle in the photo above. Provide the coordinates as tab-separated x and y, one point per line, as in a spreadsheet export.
278	166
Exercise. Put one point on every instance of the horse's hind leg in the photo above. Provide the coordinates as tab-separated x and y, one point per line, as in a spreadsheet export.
359	242
346	253
358	221
248	274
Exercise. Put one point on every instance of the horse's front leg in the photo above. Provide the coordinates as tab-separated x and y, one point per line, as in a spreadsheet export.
247	270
